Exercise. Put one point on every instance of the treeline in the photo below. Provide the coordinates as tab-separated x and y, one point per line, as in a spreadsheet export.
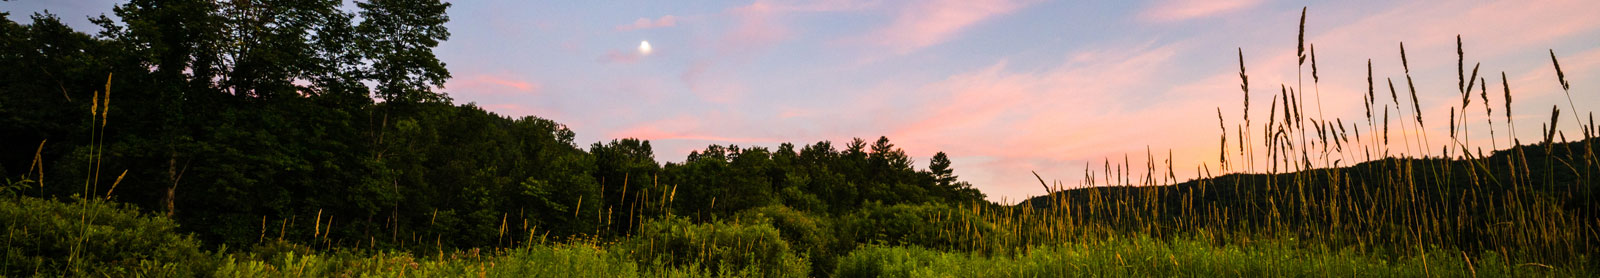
308	121
1474	193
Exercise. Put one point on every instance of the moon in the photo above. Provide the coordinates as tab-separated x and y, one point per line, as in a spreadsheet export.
644	48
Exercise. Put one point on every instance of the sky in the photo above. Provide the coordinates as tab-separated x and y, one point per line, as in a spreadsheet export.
1004	87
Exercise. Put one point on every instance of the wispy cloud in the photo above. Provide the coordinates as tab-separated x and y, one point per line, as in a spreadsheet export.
1040	97
1510	36
646	23
653	133
517	110
755	25
1181	10
761	24
995	97
1002	121
752	28
922	24
692	128
492	84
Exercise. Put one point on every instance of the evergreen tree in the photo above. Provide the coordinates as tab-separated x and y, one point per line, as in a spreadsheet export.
939	167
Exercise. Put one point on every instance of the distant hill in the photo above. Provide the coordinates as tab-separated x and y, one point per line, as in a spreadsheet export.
1541	192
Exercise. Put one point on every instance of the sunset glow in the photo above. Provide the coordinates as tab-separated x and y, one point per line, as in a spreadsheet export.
1005	87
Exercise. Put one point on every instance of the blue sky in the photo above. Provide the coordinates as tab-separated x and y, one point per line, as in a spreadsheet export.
1005	87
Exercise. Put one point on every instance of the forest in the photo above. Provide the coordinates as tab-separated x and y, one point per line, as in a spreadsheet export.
311	138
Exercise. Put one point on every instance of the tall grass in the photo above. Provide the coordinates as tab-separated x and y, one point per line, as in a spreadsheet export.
1146	257
541	261
1529	204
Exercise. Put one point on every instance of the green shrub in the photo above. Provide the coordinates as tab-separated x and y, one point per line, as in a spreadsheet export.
808	235
534	261
928	225
93	237
744	249
275	250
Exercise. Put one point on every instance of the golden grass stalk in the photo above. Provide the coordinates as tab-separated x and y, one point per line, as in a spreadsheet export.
114	184
1488	111
1555	112
1368	100
1223	155
317	227
107	109
1301	43
38	163
1512	126
1565	87
1461	57
1560	76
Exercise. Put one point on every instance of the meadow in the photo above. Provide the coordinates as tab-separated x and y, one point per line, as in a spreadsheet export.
432	189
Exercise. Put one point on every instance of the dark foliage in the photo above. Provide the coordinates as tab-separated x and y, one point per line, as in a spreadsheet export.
324	125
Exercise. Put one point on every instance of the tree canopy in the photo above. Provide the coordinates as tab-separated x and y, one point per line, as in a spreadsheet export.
245	120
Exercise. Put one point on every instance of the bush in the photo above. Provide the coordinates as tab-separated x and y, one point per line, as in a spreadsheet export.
808	235
716	247
928	225
110	239
532	261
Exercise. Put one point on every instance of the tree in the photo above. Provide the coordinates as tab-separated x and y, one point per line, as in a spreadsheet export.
50	74
338	71
886	156
625	167
398	36
262	110
939	167
169	52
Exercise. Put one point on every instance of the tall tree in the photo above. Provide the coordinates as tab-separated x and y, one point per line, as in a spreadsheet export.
625	167
887	157
283	36
939	167
170	52
398	38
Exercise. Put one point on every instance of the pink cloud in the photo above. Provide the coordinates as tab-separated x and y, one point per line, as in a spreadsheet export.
491	84
1001	121
1580	62
755	26
1180	10
652	133
646	23
924	24
1001	124
517	110
1077	90
685	128
1509	36
760	24
1506	36
1483	25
